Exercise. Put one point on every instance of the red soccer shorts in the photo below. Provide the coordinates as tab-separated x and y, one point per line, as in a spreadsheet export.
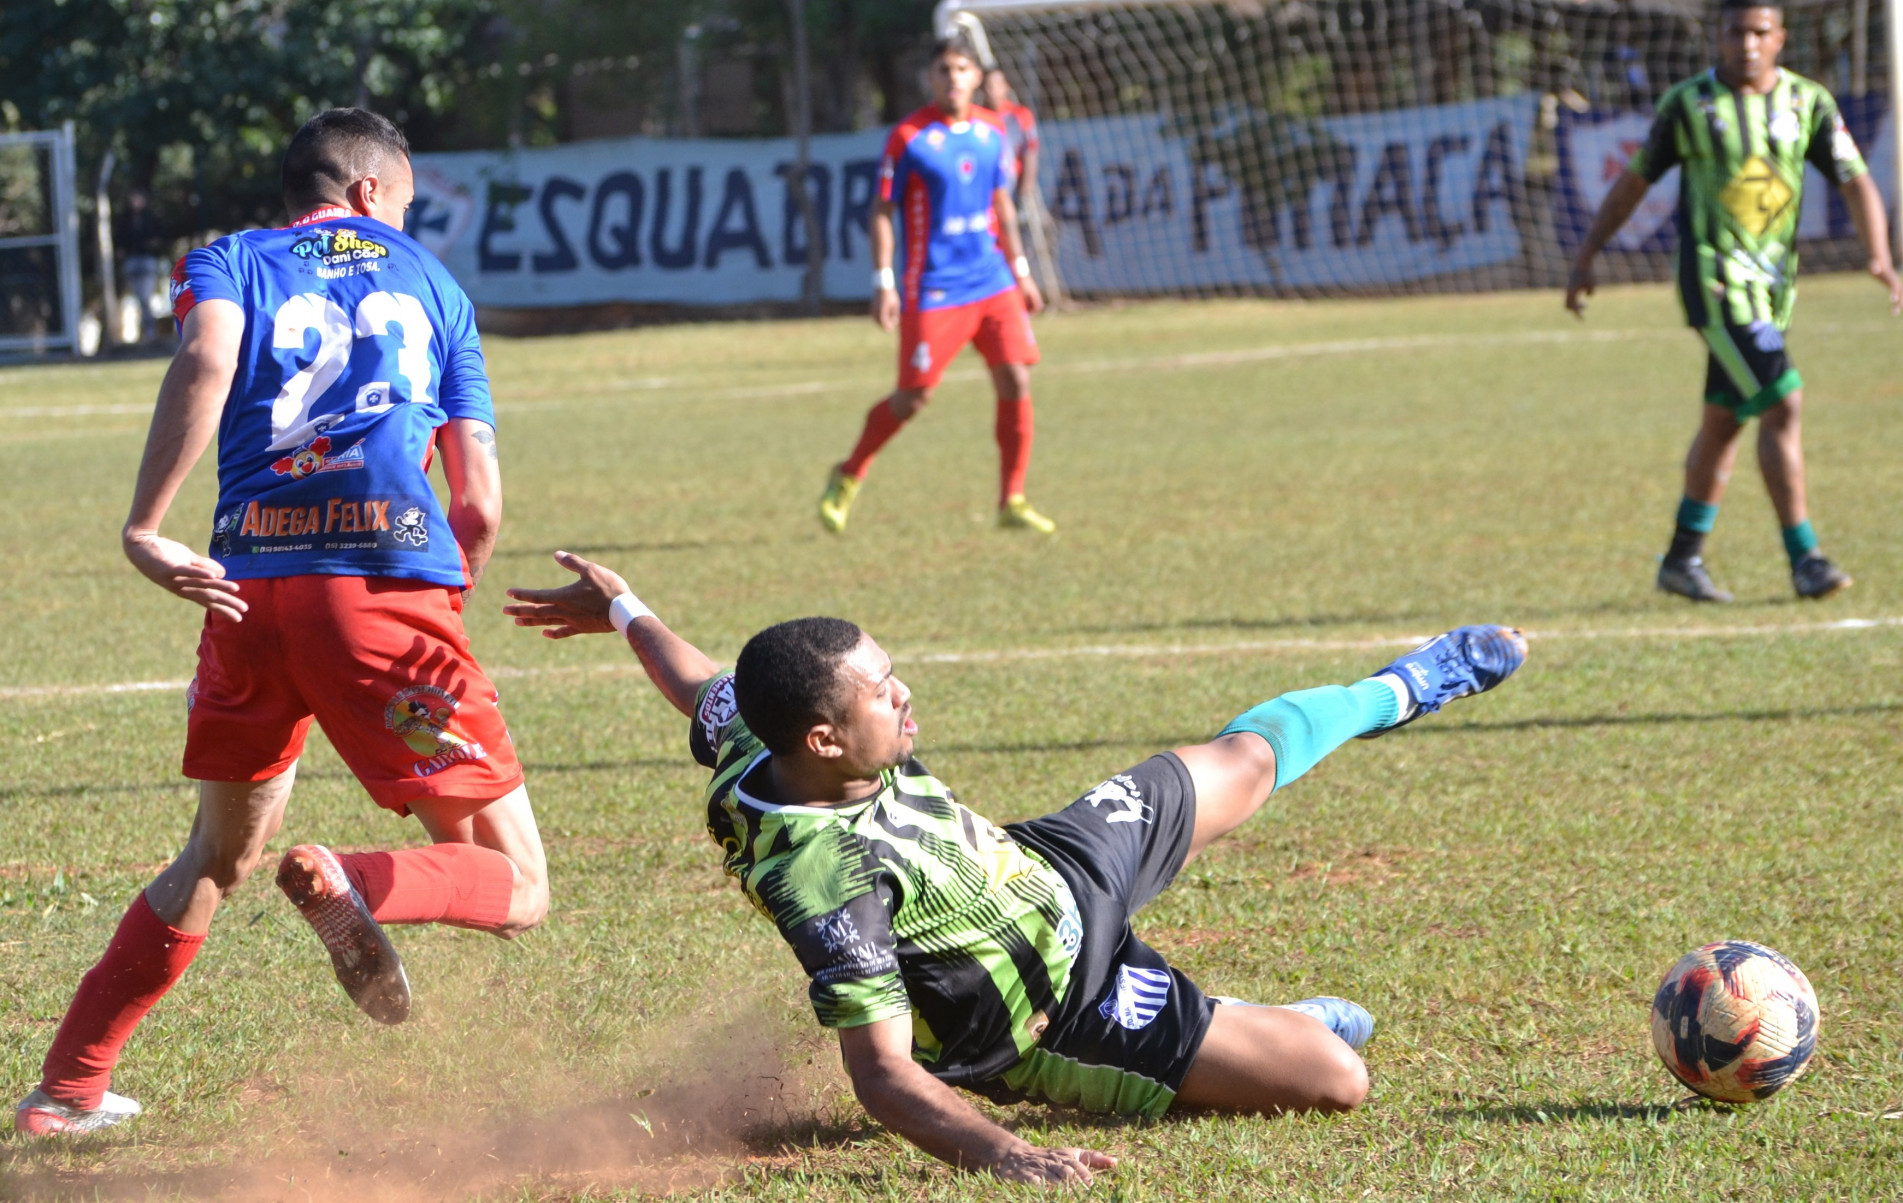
382	664
930	338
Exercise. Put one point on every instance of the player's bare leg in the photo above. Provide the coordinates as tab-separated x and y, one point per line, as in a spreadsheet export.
883	421
505	825
1713	453
1303	1056
1708	465
150	951
1015	429
1270	1060
1781	459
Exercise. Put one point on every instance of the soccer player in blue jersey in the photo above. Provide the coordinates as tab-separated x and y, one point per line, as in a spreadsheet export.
947	951
333	359
947	176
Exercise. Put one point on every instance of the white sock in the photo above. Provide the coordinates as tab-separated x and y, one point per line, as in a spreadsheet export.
1402	697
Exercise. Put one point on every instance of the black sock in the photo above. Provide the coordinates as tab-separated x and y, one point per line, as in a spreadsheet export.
1687	545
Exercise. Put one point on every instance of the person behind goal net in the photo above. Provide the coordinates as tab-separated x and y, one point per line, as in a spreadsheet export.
947	951
333	359
1740	135
948	174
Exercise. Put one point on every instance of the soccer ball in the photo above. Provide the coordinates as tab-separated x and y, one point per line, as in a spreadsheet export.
1735	1021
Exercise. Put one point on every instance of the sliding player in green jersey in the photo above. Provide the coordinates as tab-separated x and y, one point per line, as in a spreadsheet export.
1741	134
949	952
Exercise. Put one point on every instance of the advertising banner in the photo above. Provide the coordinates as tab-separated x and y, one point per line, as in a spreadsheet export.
677	221
1143	204
1594	148
1147	204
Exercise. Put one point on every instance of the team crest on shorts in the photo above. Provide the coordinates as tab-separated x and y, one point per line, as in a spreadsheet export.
1139	997
1123	800
420	715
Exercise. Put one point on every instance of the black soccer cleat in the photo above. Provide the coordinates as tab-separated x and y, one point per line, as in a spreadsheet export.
1688	578
1815	577
364	960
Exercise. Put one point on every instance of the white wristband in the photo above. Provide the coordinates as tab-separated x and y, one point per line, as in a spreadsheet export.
1022	267
625	609
884	280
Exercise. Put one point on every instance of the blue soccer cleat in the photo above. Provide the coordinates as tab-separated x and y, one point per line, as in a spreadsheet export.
1463	662
1350	1021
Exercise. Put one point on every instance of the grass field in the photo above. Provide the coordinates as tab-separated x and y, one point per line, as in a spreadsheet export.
1251	496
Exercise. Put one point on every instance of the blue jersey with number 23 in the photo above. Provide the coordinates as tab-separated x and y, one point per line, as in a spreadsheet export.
358	346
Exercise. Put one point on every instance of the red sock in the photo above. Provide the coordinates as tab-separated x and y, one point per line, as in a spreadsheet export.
881	425
143	960
459	884
1015	429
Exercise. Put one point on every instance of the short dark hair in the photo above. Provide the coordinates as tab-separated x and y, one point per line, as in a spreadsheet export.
787	678
1733	6
959	44
334	150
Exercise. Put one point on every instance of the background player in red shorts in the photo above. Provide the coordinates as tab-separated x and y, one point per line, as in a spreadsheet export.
1020	133
333	359
947	169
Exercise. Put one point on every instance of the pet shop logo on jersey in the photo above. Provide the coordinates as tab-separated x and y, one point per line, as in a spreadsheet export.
315	456
338	247
1123	800
420	716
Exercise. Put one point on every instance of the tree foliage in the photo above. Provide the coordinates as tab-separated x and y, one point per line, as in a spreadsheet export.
197	98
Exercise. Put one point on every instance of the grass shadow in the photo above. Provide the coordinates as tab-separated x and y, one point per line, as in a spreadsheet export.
1546	1113
1789	714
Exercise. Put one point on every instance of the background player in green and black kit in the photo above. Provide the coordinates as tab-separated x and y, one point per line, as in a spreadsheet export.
947	951
1741	134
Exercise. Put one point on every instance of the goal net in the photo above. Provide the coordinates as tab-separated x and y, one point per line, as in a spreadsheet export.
1330	147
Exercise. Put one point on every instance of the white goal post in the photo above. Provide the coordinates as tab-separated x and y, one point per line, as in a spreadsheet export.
1371	147
39	242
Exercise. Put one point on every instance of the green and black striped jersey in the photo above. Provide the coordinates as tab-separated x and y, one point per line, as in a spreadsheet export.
903	903
1740	188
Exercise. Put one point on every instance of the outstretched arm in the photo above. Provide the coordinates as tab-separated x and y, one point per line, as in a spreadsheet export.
677	668
183	422
1873	230
1614	212
898	1093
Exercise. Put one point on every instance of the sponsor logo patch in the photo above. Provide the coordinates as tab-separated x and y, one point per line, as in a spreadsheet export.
717	711
411	528
315	456
1756	196
1122	800
420	715
1139	997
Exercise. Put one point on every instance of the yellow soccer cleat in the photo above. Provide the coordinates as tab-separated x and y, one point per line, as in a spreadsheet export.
1017	514
836	502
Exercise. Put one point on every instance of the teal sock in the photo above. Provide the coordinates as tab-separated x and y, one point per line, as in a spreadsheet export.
1308	724
1698	516
1799	541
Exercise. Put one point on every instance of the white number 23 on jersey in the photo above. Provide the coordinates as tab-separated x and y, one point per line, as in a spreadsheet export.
380	313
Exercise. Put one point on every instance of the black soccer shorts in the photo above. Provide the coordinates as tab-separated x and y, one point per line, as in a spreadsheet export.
1130	1025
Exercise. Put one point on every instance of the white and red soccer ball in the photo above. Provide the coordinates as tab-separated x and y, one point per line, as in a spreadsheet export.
1735	1021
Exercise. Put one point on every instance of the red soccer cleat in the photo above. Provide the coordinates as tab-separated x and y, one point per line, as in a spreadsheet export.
365	961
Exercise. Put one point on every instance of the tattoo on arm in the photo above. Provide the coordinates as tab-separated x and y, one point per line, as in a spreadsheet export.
487	438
